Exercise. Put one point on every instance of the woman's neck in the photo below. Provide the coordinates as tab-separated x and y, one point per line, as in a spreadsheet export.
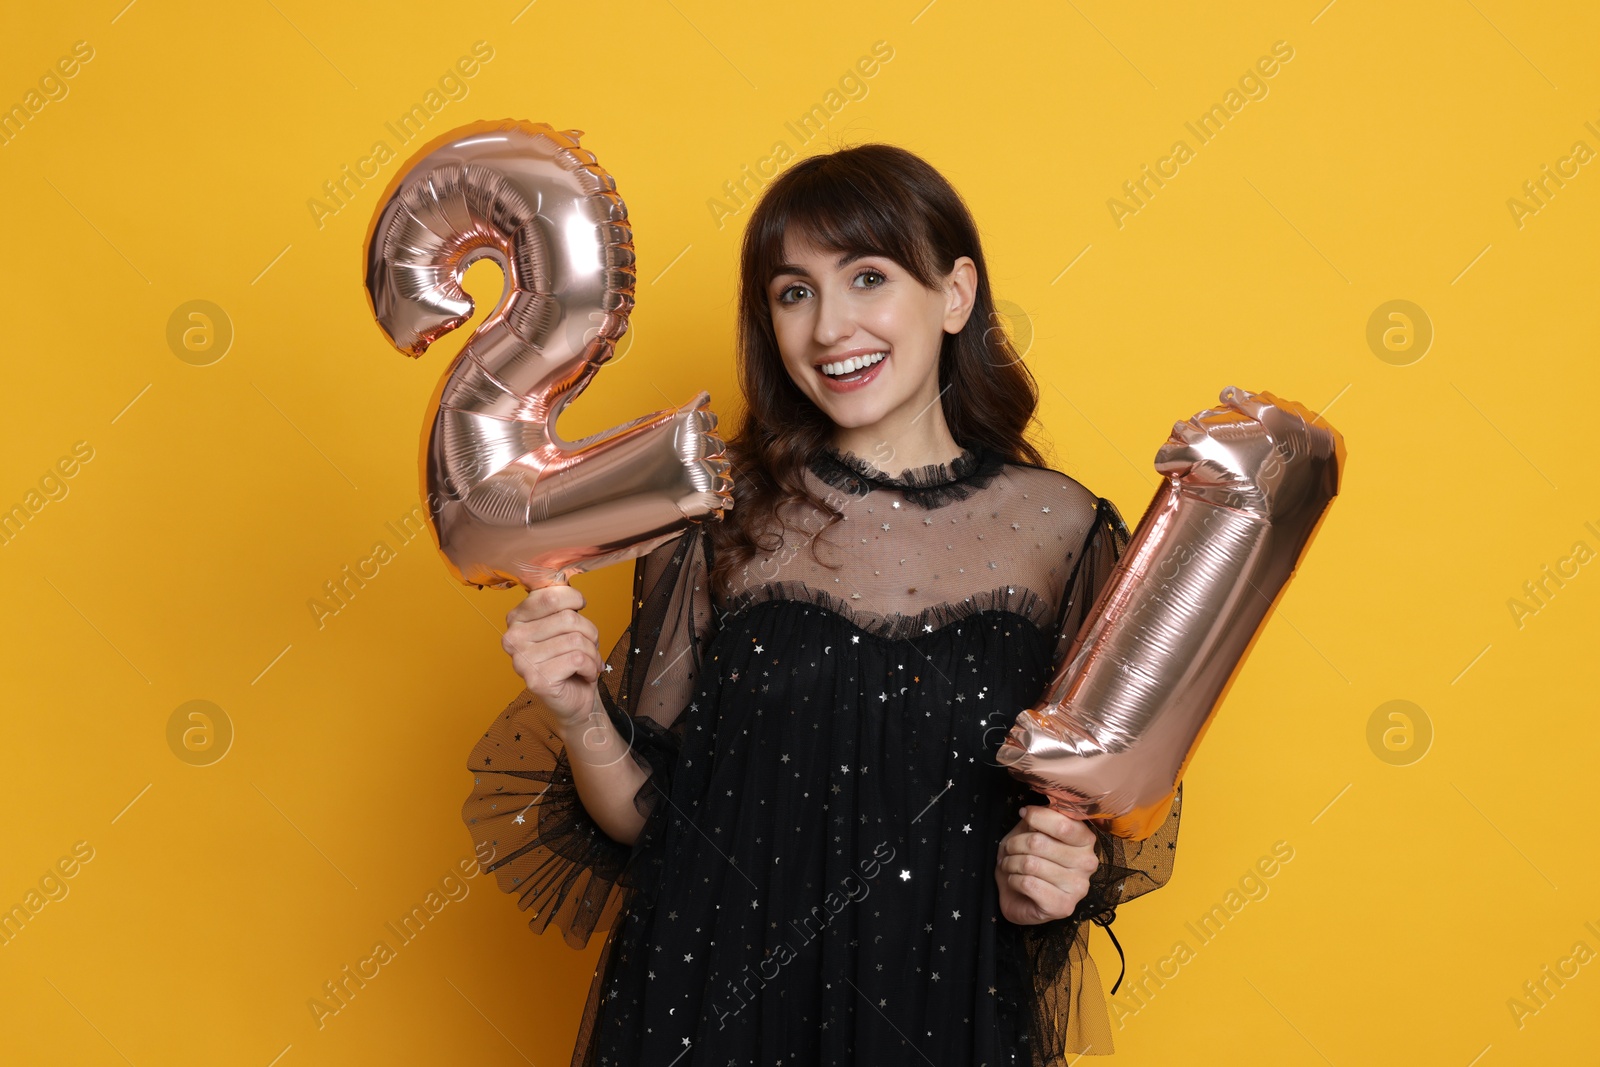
925	442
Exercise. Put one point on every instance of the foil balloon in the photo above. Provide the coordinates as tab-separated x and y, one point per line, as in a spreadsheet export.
509	502
1246	486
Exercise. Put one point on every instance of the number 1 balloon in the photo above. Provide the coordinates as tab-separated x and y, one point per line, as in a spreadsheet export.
1247	485
511	503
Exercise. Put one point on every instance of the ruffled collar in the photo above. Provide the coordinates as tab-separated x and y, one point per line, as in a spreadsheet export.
928	486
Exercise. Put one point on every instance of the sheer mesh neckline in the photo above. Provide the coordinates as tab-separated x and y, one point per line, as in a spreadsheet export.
929	486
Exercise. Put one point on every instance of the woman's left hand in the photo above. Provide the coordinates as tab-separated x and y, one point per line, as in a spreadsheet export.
1044	866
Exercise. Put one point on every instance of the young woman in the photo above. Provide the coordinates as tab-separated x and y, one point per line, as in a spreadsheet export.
779	793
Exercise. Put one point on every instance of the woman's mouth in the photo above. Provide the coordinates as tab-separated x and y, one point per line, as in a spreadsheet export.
852	373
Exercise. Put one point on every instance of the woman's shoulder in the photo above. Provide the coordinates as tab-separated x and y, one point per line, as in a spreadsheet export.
1056	489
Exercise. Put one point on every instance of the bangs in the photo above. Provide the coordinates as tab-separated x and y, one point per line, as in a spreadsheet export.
844	209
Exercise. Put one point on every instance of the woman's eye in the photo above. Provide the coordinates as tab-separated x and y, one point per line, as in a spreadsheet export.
785	296
870	273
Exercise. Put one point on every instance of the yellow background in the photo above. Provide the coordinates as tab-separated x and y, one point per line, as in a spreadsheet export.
220	498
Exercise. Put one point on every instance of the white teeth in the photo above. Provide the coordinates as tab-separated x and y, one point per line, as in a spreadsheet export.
851	365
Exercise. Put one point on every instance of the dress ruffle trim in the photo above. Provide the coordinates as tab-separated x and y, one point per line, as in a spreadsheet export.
930	486
1051	959
538	840
895	626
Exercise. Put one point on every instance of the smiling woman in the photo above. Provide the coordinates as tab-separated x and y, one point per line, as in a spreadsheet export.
821	303
792	694
853	253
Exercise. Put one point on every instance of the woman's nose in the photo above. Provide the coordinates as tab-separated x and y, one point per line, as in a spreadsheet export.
833	322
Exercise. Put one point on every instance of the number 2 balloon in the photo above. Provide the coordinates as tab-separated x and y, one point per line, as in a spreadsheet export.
1246	486
510	503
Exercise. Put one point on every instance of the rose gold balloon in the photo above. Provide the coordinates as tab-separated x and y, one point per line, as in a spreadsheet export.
509	501
1247	485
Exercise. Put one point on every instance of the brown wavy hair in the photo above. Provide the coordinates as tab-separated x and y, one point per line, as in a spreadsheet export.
870	199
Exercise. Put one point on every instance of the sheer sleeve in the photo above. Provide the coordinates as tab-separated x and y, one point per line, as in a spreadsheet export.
1069	1004
524	813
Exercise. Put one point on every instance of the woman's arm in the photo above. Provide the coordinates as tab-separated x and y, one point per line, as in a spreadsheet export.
557	810
607	779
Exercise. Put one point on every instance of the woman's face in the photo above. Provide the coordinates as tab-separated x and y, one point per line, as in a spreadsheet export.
865	310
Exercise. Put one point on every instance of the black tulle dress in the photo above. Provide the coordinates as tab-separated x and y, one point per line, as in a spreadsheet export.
814	883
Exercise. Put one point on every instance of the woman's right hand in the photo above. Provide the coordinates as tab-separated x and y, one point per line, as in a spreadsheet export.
557	652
